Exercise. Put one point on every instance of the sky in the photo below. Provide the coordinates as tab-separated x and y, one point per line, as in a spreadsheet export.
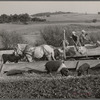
33	7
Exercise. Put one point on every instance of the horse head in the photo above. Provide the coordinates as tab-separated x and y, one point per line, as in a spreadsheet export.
58	53
17	52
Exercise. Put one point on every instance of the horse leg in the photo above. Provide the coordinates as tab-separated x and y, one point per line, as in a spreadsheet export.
29	58
49	58
52	55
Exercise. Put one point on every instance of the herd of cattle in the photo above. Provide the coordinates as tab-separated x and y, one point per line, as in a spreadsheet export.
44	52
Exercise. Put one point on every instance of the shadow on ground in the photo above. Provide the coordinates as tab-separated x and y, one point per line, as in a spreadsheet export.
21	72
36	71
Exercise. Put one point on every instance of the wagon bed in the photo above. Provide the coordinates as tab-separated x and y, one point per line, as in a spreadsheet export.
92	52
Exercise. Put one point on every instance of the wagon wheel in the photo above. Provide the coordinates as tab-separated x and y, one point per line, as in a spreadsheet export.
98	58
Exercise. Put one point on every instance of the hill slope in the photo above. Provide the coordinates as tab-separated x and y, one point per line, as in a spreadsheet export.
68	17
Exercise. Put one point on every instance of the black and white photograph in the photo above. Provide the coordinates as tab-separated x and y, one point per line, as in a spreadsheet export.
49	49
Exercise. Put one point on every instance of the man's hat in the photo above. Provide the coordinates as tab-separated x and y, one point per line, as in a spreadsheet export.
73	32
83	31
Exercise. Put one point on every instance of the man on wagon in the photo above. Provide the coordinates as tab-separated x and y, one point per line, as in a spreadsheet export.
75	39
83	37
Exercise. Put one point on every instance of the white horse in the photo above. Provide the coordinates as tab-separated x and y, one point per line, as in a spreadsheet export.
46	50
38	52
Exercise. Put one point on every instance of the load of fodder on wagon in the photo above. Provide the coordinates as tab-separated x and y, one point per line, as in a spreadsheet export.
46	87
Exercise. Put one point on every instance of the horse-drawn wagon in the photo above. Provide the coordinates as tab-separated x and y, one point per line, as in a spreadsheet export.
87	52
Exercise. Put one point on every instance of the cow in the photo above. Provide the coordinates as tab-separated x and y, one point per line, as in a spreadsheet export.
83	68
10	58
56	66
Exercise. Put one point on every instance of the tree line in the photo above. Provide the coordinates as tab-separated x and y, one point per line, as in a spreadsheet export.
24	18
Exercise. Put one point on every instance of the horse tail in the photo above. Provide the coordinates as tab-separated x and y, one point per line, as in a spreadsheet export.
47	54
52	55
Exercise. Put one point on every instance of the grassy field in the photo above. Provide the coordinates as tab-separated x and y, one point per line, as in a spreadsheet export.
31	32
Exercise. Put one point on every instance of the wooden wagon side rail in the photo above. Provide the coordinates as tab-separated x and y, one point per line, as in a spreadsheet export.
88	57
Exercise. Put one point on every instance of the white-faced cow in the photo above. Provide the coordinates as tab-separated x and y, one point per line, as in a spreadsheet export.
9	58
56	66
